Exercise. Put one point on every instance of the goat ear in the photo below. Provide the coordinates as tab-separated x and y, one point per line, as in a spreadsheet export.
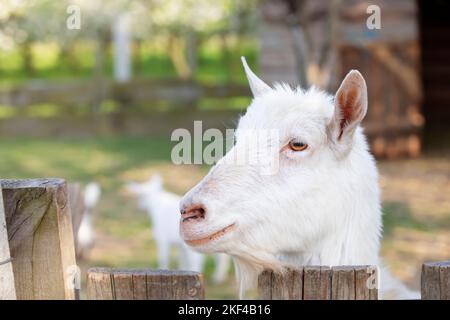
350	107
257	86
156	180
132	186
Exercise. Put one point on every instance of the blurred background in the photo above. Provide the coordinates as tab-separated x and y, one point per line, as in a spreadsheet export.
96	99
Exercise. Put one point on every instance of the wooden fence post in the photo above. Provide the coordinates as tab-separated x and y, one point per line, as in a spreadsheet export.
435	281
7	288
343	283
138	284
320	283
316	283
39	228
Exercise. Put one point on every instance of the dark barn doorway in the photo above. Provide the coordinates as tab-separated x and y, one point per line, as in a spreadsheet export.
434	18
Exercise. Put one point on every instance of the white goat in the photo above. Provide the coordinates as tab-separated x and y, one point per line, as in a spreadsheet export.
163	209
86	232
322	204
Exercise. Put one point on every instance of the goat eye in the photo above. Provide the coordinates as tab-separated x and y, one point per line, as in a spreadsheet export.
297	145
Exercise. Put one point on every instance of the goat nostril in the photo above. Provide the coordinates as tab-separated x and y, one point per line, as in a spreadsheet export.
193	213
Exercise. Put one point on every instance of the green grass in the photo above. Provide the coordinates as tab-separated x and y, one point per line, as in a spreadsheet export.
79	159
154	62
398	214
47	63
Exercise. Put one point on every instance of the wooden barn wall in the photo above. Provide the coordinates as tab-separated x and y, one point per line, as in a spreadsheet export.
388	57
435	43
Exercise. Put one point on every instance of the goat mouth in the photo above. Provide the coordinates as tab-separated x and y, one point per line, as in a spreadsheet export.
214	236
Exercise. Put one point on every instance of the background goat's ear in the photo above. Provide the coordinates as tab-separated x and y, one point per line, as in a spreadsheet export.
132	187
257	86
350	107
156	180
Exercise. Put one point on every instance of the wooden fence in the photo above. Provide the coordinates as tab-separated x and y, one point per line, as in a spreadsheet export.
320	283
436	281
73	93
37	261
135	284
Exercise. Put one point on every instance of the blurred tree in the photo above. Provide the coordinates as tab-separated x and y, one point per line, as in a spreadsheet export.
25	22
187	22
184	24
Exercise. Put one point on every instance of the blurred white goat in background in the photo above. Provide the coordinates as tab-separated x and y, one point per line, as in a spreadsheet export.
86	233
163	209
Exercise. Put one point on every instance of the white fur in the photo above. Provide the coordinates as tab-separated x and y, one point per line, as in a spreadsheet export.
86	232
322	207
163	209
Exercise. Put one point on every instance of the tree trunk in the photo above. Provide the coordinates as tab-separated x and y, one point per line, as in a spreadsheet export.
27	56
192	51
136	60
176	48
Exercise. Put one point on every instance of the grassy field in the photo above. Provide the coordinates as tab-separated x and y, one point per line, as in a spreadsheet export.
415	198
151	61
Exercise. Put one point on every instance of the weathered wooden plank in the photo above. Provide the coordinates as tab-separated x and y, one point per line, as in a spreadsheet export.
343	283
137	284
435	281
430	287
154	287
311	283
7	287
122	281
316	283
362	291
366	283
444	278
265	285
187	286
40	233
285	285
99	284
165	284
280	285
297	284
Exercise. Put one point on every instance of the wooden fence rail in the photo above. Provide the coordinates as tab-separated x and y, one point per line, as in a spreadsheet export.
176	92
138	284
320	283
